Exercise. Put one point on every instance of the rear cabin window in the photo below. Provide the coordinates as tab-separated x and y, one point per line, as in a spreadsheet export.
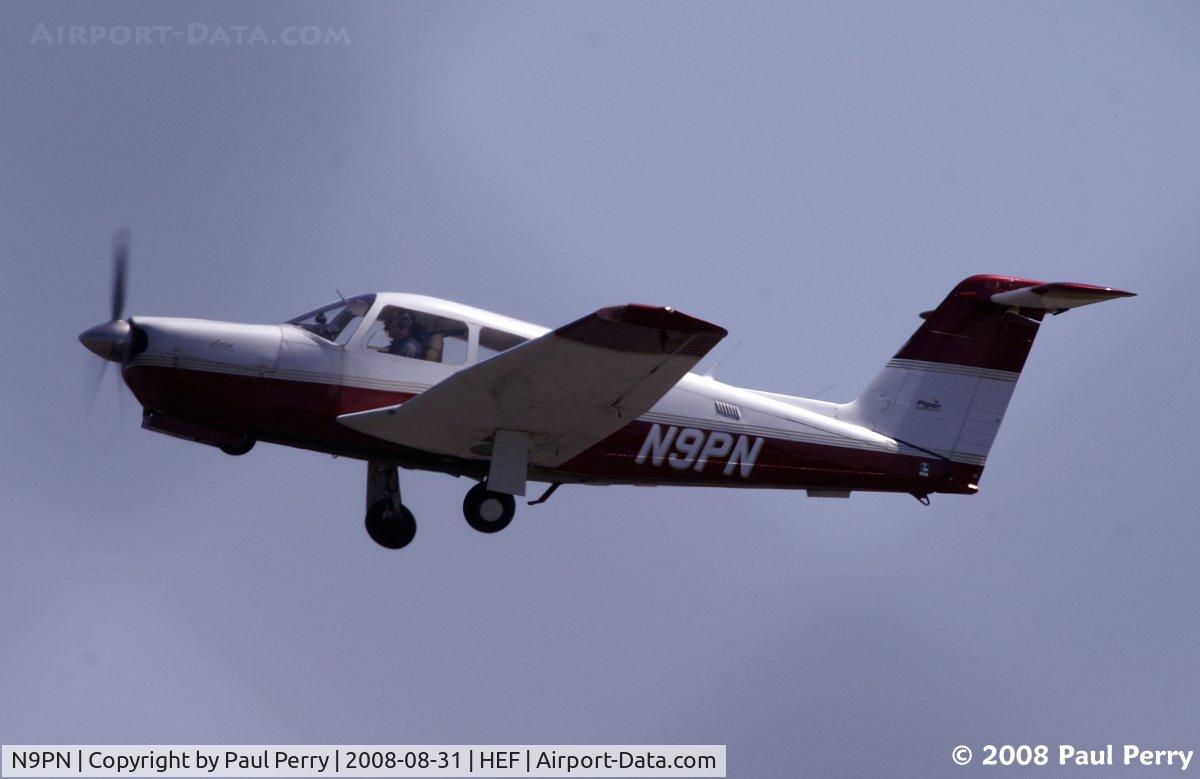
493	341
404	332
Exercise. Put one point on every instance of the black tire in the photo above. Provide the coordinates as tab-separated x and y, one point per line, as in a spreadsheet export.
236	450
389	530
487	511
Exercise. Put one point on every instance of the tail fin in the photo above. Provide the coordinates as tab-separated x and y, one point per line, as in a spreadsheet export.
946	390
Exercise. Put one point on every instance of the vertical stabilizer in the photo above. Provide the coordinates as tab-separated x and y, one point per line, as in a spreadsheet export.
946	390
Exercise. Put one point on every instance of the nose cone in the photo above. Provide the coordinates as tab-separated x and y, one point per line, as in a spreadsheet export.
111	340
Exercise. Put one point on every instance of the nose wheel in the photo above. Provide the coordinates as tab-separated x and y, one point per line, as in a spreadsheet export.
487	511
388	528
389	522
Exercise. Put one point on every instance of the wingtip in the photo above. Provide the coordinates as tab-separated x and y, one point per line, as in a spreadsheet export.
660	318
639	328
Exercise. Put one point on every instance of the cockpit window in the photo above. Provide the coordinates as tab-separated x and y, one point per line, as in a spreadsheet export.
418	335
337	321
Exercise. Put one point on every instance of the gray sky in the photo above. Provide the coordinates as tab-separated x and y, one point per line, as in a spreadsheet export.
808	176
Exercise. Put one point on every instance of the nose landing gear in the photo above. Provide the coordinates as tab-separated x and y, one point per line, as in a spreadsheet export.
487	511
389	522
388	528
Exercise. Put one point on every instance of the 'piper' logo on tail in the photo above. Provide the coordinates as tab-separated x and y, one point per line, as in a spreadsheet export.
694	448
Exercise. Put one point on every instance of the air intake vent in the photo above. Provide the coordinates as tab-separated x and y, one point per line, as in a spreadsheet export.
727	410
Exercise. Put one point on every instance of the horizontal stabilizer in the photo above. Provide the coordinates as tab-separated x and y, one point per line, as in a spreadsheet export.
1058	296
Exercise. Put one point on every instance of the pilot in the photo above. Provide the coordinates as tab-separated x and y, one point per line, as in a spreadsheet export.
409	339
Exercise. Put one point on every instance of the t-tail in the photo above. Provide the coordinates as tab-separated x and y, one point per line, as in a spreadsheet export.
945	392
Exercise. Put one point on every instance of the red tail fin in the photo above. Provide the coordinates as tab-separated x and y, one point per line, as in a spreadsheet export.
971	326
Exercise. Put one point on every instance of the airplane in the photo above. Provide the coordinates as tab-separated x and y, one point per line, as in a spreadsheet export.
401	380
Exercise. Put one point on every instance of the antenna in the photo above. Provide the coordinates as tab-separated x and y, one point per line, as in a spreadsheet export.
822	392
708	374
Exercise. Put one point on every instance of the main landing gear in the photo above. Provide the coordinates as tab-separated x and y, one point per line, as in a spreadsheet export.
391	525
487	511
389	522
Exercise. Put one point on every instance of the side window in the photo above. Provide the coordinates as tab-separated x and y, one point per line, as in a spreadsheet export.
493	341
419	336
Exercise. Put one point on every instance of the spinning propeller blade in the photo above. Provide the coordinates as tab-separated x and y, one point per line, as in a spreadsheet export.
120	270
113	339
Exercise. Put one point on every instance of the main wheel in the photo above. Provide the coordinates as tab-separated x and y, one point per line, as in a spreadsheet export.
388	529
487	511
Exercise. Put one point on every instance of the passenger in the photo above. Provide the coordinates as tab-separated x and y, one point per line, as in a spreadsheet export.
434	345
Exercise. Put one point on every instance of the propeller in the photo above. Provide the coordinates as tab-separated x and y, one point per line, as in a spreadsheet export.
111	340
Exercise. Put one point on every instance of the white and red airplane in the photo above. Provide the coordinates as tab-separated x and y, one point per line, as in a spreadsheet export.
403	380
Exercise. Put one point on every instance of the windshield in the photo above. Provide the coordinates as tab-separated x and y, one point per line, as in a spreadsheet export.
337	321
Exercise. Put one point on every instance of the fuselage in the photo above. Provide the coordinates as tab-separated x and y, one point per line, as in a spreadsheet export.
225	383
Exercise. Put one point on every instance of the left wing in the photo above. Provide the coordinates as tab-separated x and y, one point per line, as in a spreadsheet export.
567	390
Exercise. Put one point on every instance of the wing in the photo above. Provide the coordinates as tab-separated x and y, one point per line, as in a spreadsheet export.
568	389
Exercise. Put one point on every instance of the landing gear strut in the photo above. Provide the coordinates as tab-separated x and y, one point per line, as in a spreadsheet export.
389	523
487	511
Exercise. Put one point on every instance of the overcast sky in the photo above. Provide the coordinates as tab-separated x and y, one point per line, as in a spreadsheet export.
808	176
